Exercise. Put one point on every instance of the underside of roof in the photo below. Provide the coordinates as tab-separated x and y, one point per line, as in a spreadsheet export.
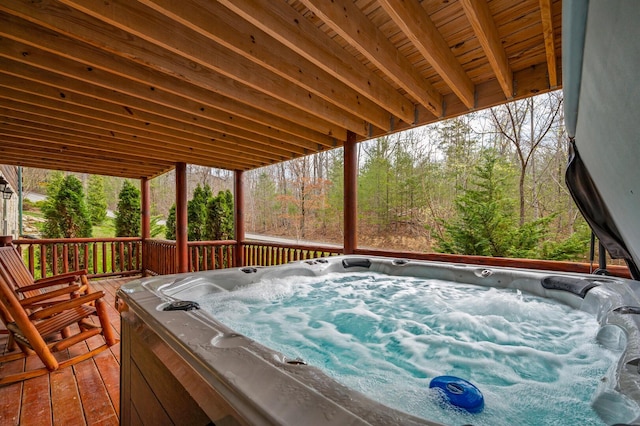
128	88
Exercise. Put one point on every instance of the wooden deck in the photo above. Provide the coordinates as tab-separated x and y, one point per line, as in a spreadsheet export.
85	394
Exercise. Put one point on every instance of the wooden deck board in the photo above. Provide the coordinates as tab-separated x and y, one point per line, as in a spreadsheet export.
65	400
10	396
36	410
86	394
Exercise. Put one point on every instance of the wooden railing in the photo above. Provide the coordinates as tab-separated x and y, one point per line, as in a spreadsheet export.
209	255
269	254
101	257
547	265
160	256
123	256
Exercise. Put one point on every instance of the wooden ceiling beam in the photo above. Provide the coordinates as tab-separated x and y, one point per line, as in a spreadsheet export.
61	152
43	27
65	152
347	20
71	113
81	135
229	69
528	82
239	85
549	41
484	27
414	21
87	136
160	126
40	159
294	31
69	138
225	28
202	121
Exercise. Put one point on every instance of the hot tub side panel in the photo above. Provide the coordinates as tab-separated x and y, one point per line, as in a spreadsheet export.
153	379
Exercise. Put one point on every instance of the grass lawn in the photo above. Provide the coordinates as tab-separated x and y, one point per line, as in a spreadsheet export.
106	229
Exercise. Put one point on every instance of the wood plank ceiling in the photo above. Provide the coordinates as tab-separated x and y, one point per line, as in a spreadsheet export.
128	88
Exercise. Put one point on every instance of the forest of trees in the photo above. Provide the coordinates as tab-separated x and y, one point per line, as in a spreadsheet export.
490	182
413	187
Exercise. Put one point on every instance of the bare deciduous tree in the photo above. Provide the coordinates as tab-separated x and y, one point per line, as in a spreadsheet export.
511	121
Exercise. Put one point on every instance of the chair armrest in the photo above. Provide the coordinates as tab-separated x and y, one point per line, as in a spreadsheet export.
67	304
32	287
27	302
64	277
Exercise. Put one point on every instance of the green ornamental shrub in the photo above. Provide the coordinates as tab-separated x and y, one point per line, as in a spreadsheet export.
127	219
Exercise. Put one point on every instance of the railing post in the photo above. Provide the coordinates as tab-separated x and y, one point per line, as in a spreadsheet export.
350	194
6	240
182	251
239	217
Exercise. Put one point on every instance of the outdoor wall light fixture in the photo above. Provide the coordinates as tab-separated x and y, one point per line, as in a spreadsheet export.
7	193
3	184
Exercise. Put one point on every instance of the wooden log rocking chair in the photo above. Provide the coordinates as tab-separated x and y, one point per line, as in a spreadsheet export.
25	284
50	322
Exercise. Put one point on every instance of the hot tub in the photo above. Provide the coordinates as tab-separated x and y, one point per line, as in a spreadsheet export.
183	366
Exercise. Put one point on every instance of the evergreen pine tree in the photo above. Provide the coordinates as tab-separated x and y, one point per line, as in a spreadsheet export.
65	211
171	223
219	222
227	208
197	213
487	223
485	216
128	211
96	200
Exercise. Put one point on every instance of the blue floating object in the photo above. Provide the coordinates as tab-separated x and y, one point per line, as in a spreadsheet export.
459	392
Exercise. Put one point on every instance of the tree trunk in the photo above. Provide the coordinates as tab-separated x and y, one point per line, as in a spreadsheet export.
521	189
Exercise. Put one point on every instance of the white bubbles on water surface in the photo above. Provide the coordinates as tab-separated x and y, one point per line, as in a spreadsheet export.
388	337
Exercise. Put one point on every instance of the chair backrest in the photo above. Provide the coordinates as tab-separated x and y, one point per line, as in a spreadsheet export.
12	308
11	261
20	277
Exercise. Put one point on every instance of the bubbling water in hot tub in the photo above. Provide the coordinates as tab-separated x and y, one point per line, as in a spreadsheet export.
536	361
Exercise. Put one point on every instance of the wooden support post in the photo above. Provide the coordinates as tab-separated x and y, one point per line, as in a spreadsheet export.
145	209
350	194
145	219
238	202
182	250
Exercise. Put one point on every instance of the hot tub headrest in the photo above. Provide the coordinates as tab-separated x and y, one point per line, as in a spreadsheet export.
577	286
356	262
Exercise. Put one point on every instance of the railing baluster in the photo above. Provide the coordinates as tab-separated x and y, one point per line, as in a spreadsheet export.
94	267
31	252
113	257
104	257
54	264
65	258
43	261
76	260
138	254
121	255
195	255
86	256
